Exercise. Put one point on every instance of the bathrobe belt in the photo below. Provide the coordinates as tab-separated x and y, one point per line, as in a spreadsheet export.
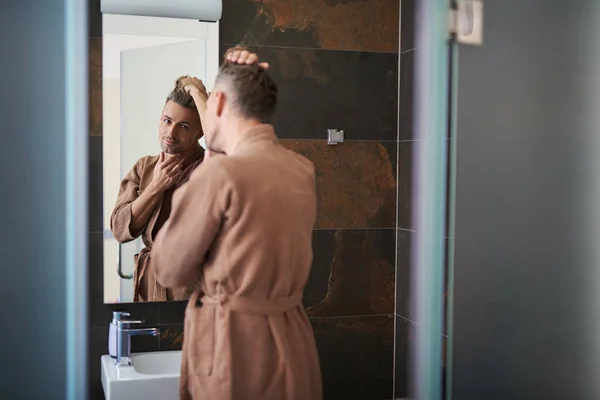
248	305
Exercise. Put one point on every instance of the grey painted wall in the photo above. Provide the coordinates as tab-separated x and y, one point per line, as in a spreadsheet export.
526	271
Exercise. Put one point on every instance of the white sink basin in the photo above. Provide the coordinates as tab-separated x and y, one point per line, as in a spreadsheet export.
152	376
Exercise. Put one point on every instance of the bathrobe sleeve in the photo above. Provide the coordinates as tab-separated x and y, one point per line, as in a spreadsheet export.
197	214
120	218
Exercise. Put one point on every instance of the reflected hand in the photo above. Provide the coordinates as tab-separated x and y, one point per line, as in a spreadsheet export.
193	86
242	56
166	173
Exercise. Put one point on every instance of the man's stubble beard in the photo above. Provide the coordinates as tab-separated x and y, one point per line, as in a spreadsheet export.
166	150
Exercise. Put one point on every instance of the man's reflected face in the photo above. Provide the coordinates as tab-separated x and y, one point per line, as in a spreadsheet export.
179	128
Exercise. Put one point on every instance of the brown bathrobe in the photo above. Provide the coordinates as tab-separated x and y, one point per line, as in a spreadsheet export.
243	224
146	287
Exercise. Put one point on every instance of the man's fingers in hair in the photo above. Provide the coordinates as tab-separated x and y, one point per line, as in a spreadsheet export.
243	56
233	55
246	57
251	58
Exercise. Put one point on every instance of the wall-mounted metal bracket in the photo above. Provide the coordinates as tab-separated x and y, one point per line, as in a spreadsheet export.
335	136
466	22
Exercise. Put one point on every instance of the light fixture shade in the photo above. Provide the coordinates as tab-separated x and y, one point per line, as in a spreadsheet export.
203	10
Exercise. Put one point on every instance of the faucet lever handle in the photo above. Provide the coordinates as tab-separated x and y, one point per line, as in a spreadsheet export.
118	315
125	321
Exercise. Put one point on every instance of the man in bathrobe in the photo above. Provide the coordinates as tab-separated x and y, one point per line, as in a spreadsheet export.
144	201
242	225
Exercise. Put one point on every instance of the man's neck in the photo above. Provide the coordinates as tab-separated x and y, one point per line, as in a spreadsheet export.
236	131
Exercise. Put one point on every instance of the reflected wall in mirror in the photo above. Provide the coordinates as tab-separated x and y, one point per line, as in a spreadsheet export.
142	59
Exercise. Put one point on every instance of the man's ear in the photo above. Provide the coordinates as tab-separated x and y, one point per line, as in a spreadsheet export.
220	100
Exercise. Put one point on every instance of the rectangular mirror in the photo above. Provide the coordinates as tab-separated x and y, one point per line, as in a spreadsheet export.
142	58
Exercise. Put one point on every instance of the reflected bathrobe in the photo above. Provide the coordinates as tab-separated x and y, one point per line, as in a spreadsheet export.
243	225
145	286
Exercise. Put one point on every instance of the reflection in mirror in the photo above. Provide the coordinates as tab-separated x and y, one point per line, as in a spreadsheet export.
145	114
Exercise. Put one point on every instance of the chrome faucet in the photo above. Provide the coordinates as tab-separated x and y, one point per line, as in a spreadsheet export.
124	332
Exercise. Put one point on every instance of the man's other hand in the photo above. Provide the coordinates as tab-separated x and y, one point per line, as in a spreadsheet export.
242	56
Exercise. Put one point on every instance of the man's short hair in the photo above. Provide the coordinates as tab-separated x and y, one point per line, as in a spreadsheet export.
253	90
179	96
